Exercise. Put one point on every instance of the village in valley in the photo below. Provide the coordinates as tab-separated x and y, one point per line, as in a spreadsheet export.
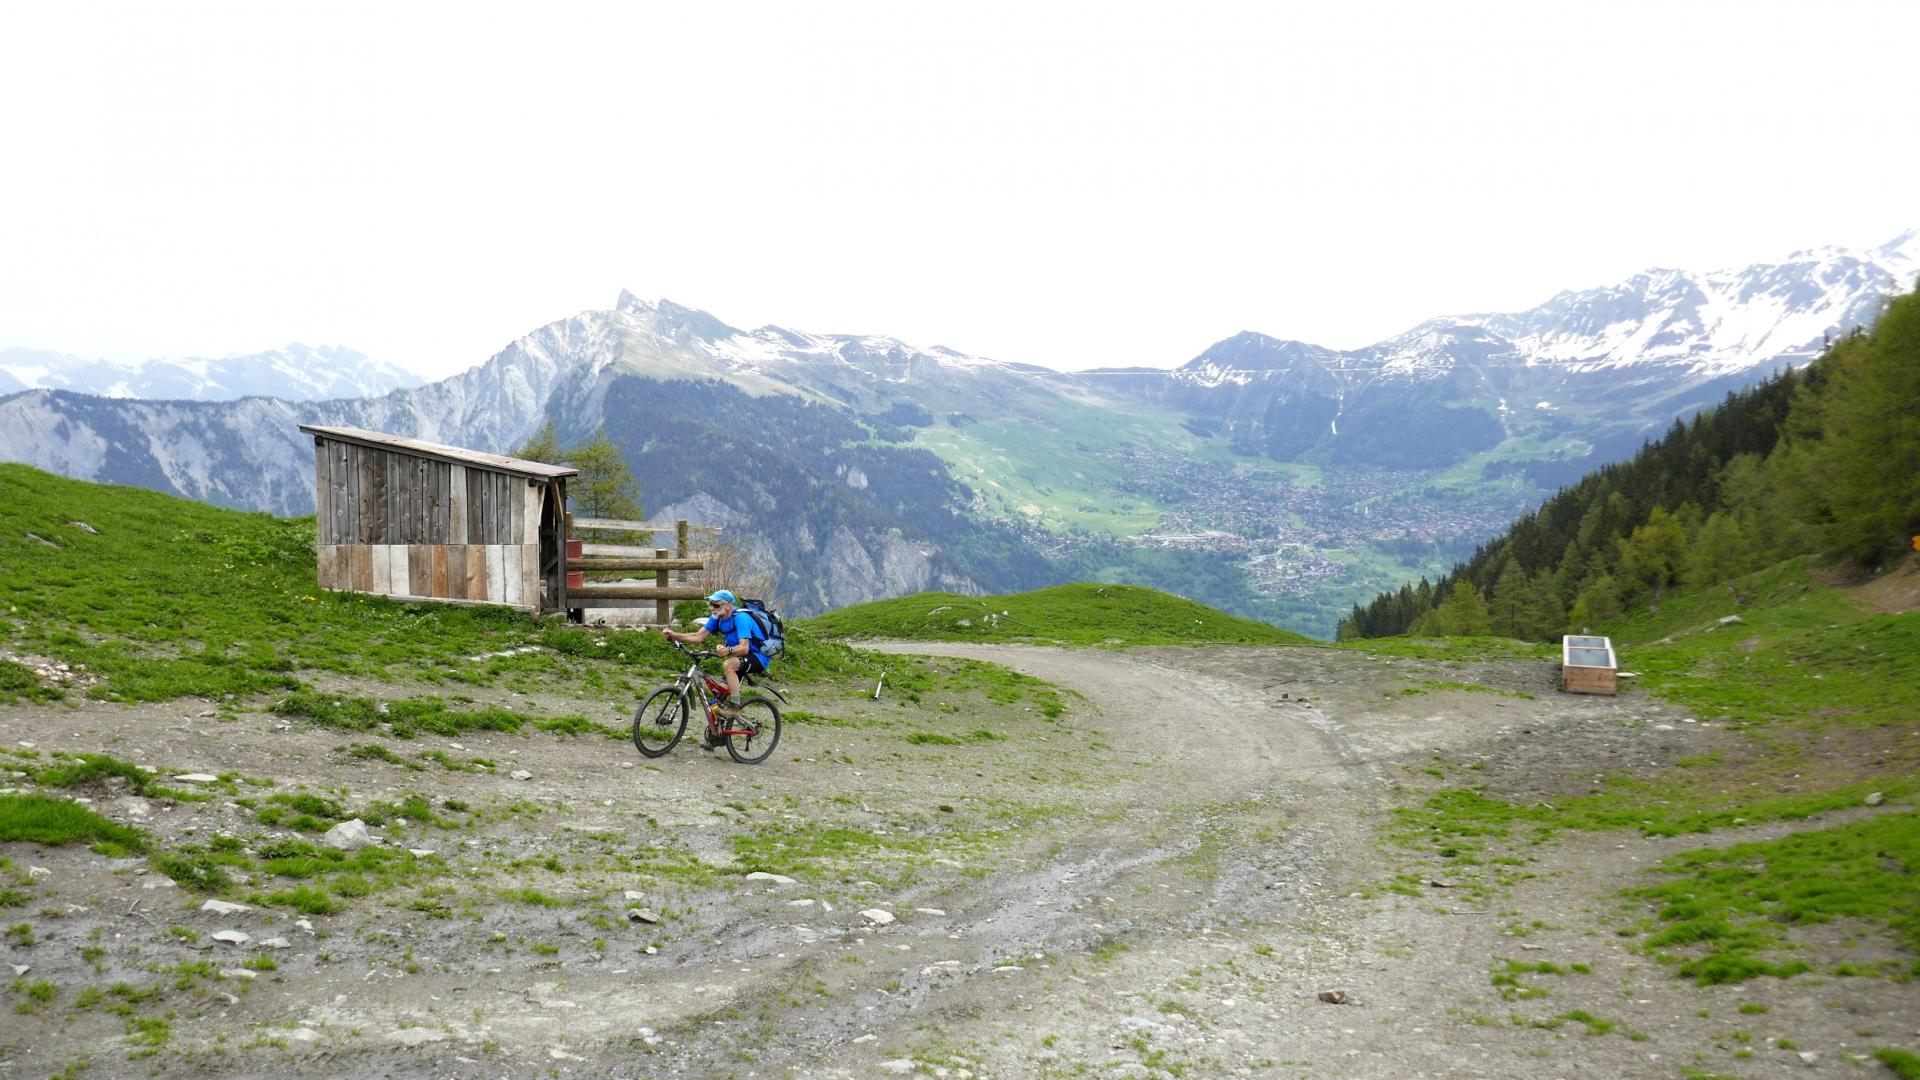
1288	525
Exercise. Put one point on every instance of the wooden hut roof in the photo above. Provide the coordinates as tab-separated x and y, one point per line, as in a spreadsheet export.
538	470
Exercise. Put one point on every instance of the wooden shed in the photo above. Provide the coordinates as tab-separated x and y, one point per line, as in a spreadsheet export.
420	521
1588	665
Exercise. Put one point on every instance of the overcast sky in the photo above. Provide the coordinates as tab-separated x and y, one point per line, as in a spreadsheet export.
1107	183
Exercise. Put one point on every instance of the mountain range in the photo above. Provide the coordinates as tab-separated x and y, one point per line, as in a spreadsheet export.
296	372
1275	478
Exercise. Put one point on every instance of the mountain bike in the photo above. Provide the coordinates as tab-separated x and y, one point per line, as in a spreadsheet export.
662	718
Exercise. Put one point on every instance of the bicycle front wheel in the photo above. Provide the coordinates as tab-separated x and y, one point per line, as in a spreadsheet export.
752	736
659	722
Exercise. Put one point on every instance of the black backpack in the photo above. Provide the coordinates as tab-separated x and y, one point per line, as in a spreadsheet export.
773	632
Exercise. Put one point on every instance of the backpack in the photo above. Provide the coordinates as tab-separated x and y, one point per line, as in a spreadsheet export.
773	632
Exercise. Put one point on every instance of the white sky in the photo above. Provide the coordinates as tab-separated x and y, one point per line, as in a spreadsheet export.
1070	185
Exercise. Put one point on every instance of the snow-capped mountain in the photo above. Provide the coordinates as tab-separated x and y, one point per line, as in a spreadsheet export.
295	373
1660	344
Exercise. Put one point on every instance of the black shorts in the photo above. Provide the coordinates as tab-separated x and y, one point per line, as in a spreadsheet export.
750	664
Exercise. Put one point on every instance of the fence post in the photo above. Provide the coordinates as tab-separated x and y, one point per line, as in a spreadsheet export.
662	609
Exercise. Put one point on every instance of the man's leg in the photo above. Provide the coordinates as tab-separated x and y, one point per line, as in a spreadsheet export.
732	666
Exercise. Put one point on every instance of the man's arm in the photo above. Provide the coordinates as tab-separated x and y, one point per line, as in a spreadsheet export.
691	637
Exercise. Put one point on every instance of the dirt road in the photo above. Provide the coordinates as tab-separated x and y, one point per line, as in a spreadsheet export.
1169	880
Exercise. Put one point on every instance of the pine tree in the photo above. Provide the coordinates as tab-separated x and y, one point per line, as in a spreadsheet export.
1541	613
1654	555
542	445
1510	600
1866	466
1463	613
1719	553
605	487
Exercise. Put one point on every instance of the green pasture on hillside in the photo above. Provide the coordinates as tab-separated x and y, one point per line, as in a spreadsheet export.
1065	471
1062	615
151	597
1800	666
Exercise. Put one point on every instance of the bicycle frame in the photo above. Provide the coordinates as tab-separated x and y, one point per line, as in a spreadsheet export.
711	692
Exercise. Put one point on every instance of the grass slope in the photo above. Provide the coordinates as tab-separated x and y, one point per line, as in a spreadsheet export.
1825	688
148	597
1062	615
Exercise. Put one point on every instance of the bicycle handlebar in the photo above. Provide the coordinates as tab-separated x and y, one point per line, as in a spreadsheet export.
703	654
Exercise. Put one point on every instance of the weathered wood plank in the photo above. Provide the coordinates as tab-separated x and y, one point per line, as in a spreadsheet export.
399	496
439	582
476	586
456	510
382	576
340	477
529	576
361	557
592	565
618	525
419	570
509	573
399	578
379	506
419	495
320	492
352	535
496	572
584	594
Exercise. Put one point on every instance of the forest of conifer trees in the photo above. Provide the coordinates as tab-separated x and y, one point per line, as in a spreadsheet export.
1823	460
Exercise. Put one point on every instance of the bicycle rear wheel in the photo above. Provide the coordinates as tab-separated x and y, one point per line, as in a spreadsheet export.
659	722
753	736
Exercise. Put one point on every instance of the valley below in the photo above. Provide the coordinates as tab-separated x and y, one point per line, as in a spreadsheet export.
1185	862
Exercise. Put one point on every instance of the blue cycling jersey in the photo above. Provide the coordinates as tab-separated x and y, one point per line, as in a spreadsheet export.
740	625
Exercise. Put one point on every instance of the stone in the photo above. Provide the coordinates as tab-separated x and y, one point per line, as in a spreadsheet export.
305	1035
1731	620
642	915
1875	798
521	774
929	911
415	1036
902	1066
276	943
21	969
197	778
225	907
349	835
83	527
231	937
239	973
777	879
38	872
133	806
1335	997
634	896
877	917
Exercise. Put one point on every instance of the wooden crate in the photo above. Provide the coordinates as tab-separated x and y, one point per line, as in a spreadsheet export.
1588	665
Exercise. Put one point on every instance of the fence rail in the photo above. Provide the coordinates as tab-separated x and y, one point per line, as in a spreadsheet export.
584	559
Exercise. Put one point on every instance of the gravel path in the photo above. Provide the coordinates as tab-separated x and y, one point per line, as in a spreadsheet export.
1198	867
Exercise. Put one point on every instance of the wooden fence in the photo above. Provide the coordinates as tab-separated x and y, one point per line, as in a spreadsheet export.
584	558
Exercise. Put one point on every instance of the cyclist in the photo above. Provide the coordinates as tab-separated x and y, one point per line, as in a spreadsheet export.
743	644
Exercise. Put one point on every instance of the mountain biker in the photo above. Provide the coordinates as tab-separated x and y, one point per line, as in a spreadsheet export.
743	644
